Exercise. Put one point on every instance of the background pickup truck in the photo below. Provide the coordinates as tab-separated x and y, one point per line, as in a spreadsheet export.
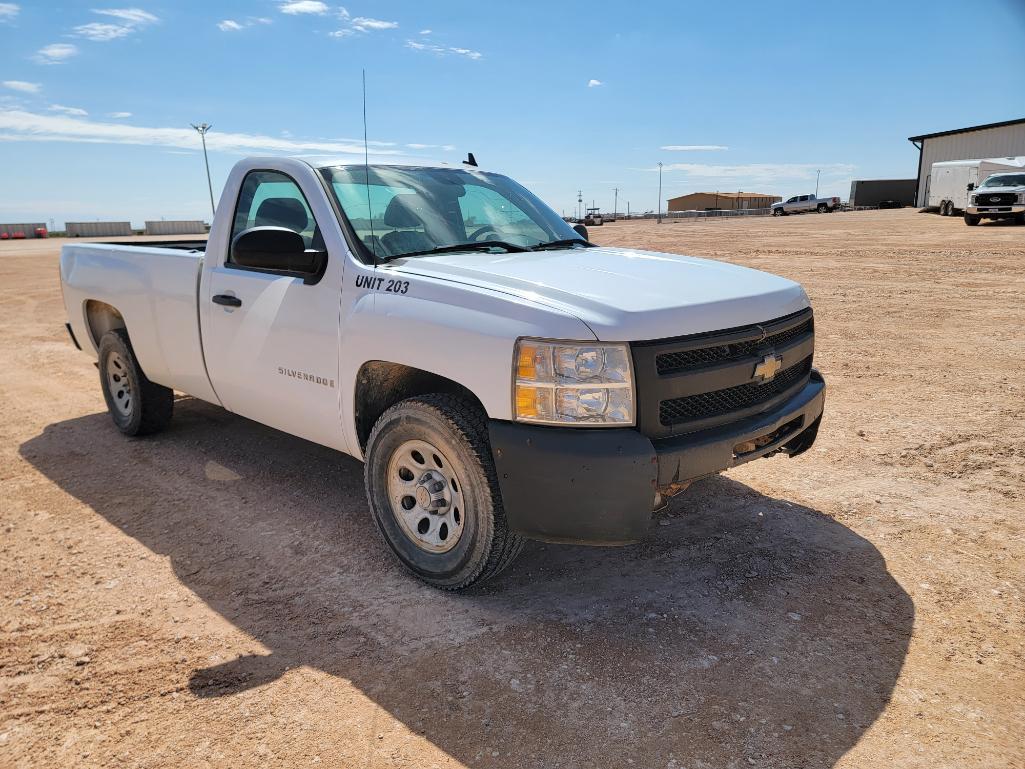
800	204
500	376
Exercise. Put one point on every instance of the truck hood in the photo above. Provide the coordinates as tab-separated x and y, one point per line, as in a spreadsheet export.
980	191
623	294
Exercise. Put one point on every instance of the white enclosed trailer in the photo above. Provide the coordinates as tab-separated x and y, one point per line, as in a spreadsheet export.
949	180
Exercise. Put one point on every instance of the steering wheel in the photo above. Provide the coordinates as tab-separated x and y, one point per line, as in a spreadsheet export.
475	235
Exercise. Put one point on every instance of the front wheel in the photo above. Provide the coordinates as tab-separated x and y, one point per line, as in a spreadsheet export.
137	405
777	212
972	220
432	488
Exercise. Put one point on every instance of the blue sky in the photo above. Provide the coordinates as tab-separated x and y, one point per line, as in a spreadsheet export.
96	98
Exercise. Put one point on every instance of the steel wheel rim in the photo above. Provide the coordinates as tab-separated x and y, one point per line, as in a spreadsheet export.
426	496
119	384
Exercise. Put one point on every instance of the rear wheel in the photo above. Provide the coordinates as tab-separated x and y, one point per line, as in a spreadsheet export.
972	220
433	491
137	405
821	208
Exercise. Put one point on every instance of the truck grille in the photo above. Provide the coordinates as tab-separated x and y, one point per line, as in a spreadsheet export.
996	199
701	381
673	362
719	402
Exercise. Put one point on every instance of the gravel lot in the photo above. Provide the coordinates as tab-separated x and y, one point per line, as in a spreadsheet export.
218	596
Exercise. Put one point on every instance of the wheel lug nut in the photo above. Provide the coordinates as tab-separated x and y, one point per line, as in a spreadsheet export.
438	486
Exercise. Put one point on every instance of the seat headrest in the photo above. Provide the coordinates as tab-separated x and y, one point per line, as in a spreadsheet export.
289	213
401	211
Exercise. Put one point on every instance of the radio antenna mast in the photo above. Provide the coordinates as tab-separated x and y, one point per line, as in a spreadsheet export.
366	171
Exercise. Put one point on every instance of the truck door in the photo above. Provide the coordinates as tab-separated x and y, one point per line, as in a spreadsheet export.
272	348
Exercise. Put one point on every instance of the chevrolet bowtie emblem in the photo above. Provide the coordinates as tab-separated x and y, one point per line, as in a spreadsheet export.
767	368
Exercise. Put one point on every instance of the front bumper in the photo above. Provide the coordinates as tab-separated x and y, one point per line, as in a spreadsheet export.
996	210
598	487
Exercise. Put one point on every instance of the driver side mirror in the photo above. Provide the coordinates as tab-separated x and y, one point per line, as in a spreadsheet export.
276	248
581	230
971	186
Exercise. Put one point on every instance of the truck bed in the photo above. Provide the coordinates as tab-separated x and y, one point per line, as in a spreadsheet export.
154	286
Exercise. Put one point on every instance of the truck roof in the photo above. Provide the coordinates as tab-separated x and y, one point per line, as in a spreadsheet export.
332	161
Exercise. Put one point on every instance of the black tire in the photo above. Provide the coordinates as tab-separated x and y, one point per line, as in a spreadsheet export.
141	408
484	545
1019	218
778	212
971	220
821	208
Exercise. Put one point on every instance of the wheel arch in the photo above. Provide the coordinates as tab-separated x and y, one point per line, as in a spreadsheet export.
100	318
381	384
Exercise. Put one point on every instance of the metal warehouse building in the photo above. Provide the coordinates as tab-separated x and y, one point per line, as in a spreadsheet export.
993	140
715	201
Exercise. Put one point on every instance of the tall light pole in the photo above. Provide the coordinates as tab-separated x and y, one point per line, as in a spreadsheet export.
660	192
819	171
580	204
615	202
202	128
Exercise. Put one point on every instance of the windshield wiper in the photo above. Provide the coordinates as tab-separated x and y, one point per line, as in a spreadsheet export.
485	245
563	244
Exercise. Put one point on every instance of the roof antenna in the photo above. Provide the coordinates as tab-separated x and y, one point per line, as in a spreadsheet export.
366	170
470	160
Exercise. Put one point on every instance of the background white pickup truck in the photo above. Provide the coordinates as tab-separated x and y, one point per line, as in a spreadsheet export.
500	376
802	204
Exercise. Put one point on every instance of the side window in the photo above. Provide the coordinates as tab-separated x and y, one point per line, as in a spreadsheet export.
792	200
270	198
484	207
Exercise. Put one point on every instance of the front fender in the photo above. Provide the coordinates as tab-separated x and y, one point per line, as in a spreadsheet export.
463	333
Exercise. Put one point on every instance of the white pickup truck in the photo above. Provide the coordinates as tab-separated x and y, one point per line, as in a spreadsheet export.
802	204
501	377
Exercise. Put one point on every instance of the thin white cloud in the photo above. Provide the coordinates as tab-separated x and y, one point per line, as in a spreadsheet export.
21	85
298	7
342	33
425	31
101	32
759	173
444	147
231	25
8	11
694	148
20	125
134	16
72	111
364	24
592	83
129	20
55	53
119	115
441	50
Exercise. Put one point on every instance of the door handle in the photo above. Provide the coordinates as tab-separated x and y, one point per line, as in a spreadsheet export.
227	300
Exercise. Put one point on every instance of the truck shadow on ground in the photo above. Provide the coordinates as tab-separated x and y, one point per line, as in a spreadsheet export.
745	629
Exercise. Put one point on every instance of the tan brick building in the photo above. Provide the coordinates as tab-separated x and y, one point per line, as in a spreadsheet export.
713	201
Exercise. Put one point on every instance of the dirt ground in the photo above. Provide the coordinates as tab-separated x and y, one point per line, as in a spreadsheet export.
217	596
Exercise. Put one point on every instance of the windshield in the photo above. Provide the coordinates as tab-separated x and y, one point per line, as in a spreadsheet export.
407	211
1005	180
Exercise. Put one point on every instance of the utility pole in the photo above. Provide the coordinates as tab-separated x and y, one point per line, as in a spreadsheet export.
202	128
615	202
628	209
659	215
819	171
580	203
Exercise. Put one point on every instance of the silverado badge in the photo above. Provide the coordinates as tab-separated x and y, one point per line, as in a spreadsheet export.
767	368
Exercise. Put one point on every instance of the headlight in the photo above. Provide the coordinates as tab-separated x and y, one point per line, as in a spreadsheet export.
573	383
1021	197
